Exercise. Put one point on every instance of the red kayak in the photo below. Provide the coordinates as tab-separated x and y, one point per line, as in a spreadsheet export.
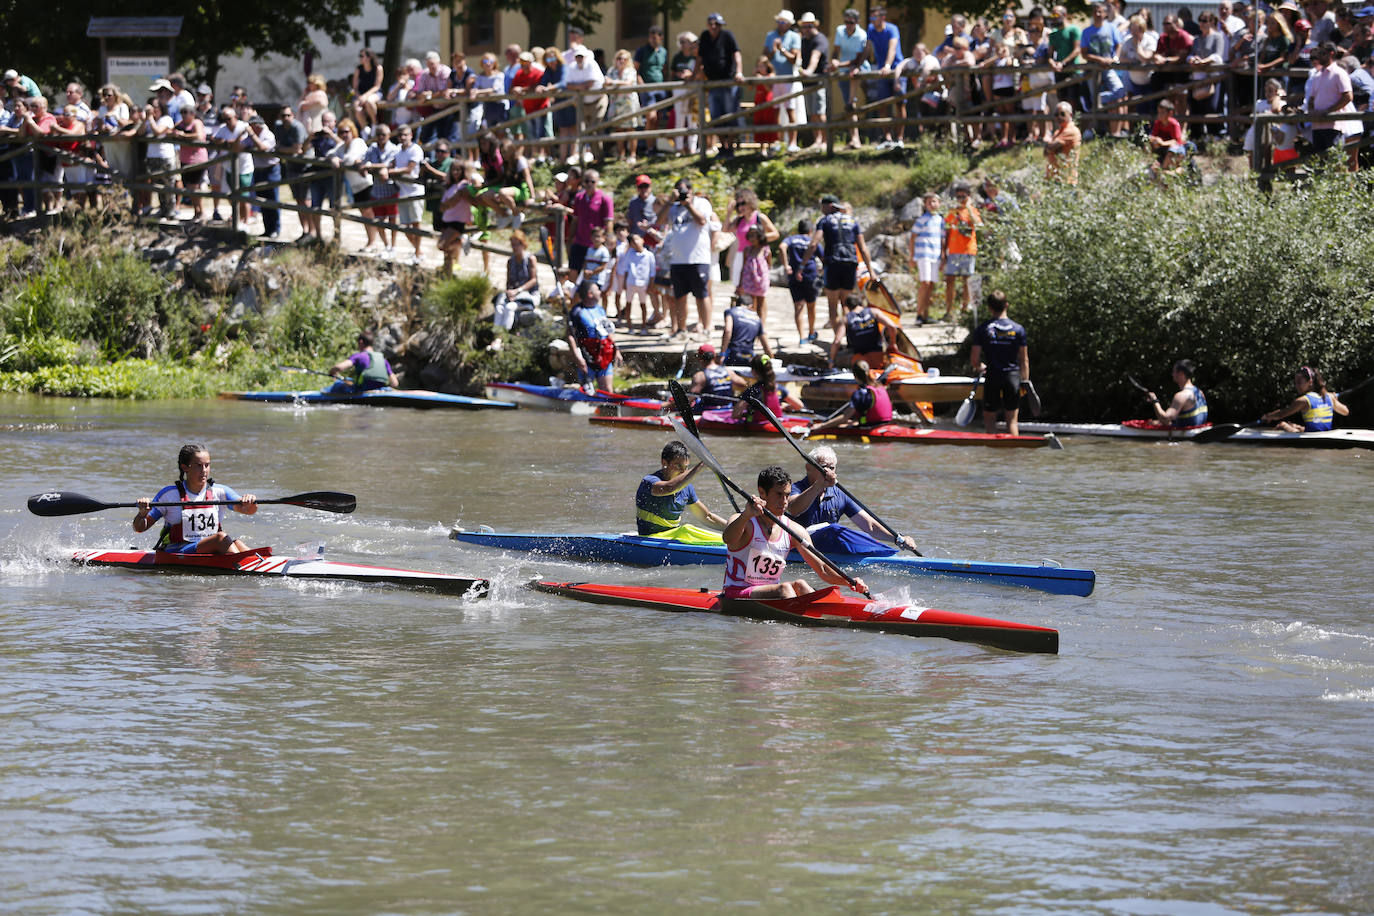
261	562
719	421
824	608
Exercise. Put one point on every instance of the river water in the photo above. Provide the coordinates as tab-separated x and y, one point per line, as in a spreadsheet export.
1201	744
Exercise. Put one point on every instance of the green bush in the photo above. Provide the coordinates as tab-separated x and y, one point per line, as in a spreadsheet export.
935	166
130	378
784	187
306	328
1123	275
458	299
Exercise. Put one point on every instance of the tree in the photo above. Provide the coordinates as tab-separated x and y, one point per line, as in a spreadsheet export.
52	46
545	17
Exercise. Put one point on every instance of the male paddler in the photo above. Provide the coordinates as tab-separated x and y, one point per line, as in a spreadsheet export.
367	369
1189	406
1001	356
714	383
868	332
663	495
818	504
869	405
758	547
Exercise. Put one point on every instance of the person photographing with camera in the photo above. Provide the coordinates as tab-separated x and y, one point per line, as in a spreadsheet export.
692	223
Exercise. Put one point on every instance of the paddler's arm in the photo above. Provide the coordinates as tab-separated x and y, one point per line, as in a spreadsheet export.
1025	363
737	530
247	503
700	510
844	416
799	504
673	484
342	366
1296	407
141	521
823	568
865	523
1176	407
975	359
1338	407
863	252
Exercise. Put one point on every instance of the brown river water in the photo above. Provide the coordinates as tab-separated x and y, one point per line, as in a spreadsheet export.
1201	745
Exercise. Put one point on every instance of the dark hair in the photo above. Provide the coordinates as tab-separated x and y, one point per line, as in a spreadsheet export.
764	375
582	290
997	302
1315	377
365	338
673	451
1035	11
773	476
804	227
1186	367
188	451
854	301
862	375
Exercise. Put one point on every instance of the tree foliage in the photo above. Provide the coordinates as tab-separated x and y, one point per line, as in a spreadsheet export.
1123	275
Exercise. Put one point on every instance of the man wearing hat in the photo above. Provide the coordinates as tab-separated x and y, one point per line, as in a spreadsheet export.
27	87
713	381
639	213
584	74
528	75
205	106
783	47
266	171
813	60
718	58
841	239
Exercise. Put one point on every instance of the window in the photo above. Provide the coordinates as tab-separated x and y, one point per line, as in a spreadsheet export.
634	17
480	30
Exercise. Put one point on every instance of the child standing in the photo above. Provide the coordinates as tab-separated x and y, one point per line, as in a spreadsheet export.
754	272
622	245
636	270
596	267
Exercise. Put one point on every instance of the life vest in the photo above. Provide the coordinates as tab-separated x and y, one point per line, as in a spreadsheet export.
177	534
375	375
877	406
1317	415
717	382
1195	415
745	327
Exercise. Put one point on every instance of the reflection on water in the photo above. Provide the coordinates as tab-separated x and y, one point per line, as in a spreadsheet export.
183	744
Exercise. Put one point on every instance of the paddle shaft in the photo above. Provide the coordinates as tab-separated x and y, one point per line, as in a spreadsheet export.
897	538
305	371
59	504
704	453
684	406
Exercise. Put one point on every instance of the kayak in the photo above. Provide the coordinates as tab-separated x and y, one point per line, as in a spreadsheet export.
719	421
824	608
1331	438
933	389
1222	432
568	397
377	397
638	550
1131	429
261	562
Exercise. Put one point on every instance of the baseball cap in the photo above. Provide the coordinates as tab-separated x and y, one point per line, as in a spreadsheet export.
160	84
706	350
256	119
561	177
11	75
829	199
1363	12
580	52
643	180
714	18
526	57
204	89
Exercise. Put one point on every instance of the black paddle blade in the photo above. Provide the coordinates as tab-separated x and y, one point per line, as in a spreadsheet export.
1033	399
324	500
683	403
52	505
1218	433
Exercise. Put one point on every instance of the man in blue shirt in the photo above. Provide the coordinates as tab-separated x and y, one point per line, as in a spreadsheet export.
818	504
999	353
885	50
663	495
783	47
850	48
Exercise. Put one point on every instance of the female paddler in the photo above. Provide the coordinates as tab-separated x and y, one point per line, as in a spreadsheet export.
758	546
1314	403
190	527
765	388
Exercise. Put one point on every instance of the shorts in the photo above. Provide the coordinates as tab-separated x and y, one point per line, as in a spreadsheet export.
1005	92
192	176
362	195
802	290
689	278
245	180
383	211
738	591
841	276
664	281
878	89
959	265
1002	392
927	270
187	546
411	211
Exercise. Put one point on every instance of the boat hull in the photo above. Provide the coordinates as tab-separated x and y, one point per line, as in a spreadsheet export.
261	563
1329	439
824	608
638	550
1115	430
713	421
547	397
379	397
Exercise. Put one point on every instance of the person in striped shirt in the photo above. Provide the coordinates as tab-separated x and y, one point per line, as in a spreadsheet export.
924	247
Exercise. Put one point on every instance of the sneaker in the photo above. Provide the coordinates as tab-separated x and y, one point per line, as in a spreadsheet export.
883	145
389	253
517	220
794	148
416	260
898	144
467	243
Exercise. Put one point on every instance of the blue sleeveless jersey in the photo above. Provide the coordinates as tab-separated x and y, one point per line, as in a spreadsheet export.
1317	415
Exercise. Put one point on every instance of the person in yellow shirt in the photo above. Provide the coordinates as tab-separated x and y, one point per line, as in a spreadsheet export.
960	247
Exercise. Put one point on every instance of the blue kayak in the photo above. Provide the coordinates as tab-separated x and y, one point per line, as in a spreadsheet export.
637	550
377	397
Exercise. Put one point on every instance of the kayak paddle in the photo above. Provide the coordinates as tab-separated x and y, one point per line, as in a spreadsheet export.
1354	388
702	452
682	367
299	370
966	410
897	538
51	505
1032	398
1218	432
684	407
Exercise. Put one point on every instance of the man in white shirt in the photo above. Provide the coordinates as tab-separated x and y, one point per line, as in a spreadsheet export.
584	73
692	224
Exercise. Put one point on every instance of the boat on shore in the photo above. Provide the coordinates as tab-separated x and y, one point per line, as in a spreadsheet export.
639	550
823	608
261	562
417	398
554	397
720	422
